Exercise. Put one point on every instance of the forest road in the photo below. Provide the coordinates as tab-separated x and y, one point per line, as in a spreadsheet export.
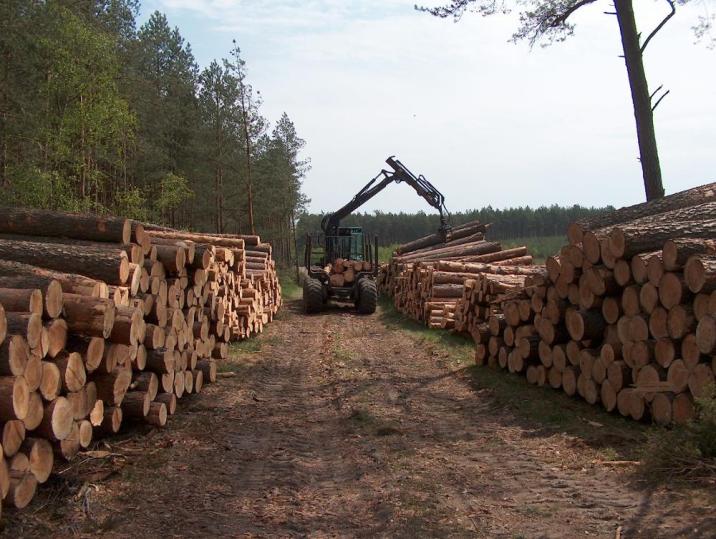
339	425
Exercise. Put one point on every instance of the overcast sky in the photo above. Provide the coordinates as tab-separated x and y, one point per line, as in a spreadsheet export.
485	120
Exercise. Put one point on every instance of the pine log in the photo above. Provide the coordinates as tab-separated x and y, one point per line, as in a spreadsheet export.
682	199
480	247
13	434
584	325
35	411
96	416
22	489
14	354
91	350
673	289
439	237
110	266
208	367
677	251
111	387
40	456
36	222
28	325
69	446
14	398
682	409
198	380
157	415
136	404
85	433
52	283
699	273
22	300
626	241
57	420
91	317
72	371
111	422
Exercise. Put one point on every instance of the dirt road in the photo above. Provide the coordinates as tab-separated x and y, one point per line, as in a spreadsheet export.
339	425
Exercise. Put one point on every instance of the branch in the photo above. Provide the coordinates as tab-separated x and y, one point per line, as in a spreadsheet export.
564	16
659	100
661	25
655	92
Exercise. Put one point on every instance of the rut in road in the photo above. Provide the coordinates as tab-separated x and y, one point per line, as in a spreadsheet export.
341	426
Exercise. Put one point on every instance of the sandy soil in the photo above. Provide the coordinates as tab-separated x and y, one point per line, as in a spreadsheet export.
342	427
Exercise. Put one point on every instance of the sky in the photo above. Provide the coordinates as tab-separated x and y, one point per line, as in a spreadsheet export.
487	121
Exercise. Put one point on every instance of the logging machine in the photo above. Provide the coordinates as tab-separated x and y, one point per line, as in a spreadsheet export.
341	262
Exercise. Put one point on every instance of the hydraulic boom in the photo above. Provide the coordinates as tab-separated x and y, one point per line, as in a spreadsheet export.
400	173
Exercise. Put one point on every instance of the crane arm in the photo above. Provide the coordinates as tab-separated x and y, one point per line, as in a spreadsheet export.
400	173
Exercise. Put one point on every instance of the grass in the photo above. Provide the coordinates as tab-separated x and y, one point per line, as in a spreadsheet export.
289	286
686	452
541	409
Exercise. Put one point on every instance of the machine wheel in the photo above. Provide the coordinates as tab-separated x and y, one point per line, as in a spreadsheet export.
312	295
367	296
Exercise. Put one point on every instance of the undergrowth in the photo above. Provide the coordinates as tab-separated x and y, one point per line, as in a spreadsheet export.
684	452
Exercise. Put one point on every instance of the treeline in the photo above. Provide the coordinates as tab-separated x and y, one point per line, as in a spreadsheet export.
100	115
521	222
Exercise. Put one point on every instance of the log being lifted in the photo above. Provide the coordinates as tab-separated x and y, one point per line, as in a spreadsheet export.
108	265
33	222
434	239
682	199
476	248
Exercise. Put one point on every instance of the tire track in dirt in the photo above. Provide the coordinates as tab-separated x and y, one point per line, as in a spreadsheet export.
341	427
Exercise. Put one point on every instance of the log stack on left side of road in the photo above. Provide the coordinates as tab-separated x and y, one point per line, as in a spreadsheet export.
104	321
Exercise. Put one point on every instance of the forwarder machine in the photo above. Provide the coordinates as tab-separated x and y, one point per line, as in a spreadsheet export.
338	244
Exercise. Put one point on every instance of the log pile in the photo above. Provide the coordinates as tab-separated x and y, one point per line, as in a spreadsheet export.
104	321
625	316
343	272
429	278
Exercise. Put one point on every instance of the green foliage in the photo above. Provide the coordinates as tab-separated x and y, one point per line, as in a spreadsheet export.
174	190
131	203
99	115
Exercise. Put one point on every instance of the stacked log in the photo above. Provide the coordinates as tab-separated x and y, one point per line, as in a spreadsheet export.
626	315
344	272
104	322
430	278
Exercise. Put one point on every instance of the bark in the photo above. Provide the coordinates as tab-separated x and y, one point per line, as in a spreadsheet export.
108	265
628	241
682	199
33	222
641	100
157	415
678	251
19	275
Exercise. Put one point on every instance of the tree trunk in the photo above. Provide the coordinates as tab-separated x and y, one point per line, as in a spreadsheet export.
643	114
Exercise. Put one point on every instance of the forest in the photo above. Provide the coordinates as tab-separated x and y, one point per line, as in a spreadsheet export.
101	114
508	223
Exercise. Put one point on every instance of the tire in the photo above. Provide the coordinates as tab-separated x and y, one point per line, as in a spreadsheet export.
367	296
312	295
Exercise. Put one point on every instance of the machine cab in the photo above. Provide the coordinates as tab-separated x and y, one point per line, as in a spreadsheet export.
347	244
